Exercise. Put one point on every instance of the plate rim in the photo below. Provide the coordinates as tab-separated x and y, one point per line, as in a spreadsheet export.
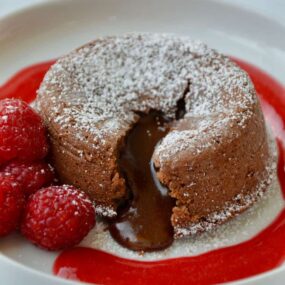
32	8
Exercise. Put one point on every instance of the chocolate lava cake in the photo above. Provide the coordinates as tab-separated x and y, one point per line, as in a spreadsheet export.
213	158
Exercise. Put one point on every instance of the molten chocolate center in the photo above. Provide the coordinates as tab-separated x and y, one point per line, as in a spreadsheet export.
144	223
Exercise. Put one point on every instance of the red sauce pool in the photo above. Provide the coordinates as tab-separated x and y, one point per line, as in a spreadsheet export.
264	252
24	84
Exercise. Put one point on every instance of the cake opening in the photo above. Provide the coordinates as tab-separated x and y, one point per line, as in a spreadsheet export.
143	224
181	105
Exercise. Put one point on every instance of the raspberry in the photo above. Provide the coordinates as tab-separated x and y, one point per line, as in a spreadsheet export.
58	217
11	204
32	176
22	134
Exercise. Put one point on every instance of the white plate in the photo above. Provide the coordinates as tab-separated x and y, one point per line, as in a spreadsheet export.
49	30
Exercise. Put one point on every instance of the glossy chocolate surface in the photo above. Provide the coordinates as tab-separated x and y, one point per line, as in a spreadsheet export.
144	223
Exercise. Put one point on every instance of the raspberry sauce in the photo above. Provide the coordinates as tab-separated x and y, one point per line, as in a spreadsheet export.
264	252
24	84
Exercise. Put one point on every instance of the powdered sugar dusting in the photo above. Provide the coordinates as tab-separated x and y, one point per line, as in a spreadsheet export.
105	211
98	88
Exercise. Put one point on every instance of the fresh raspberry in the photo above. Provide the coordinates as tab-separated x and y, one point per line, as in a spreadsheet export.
32	176
22	134
58	217
11	204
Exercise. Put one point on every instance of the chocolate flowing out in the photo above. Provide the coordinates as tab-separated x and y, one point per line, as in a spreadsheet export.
144	223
